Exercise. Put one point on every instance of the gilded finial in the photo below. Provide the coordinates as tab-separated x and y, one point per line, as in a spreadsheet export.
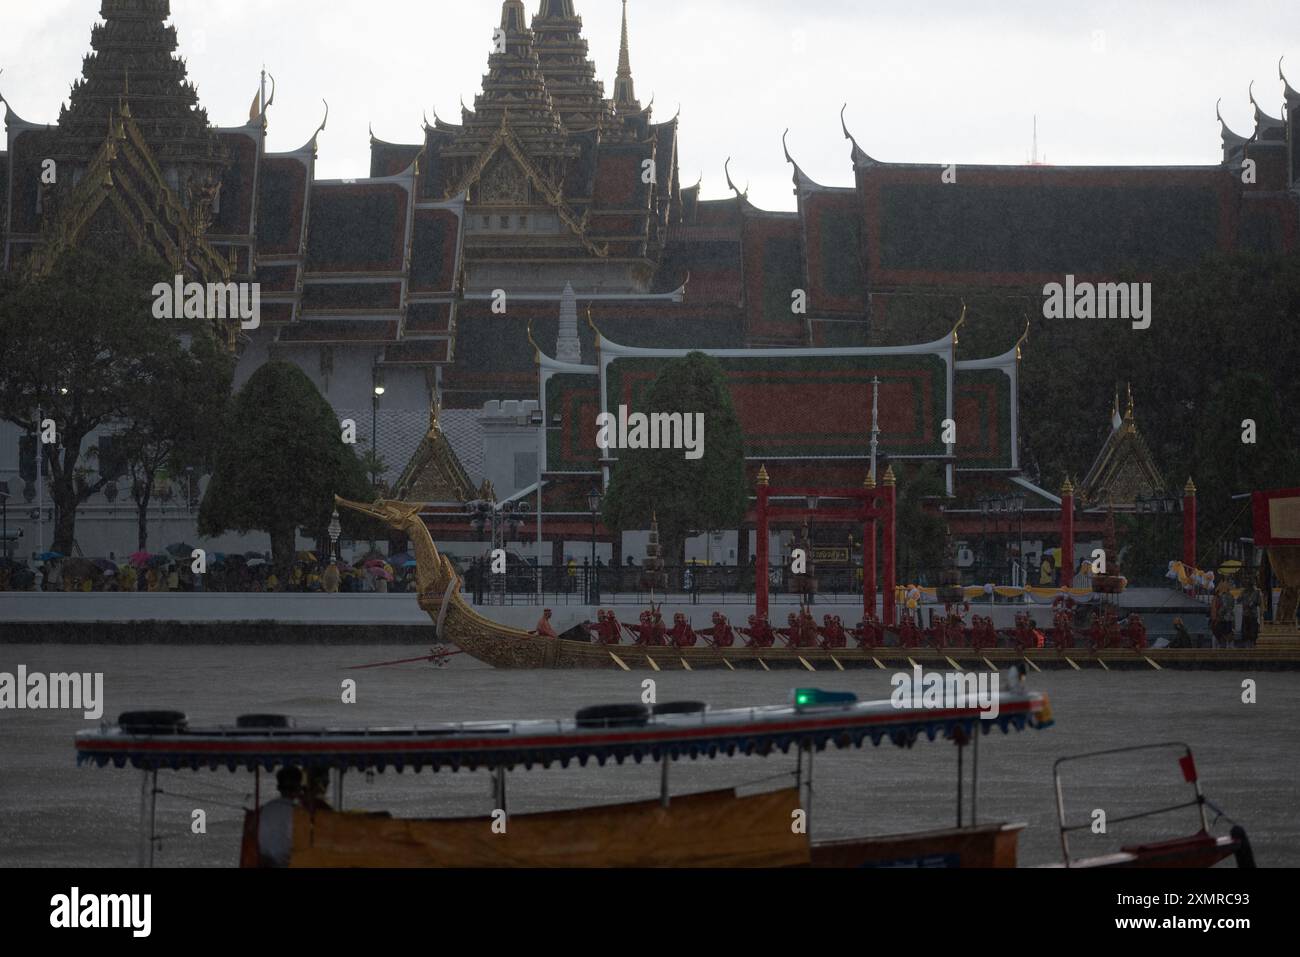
890	480
960	322
1190	488
763	478
1067	488
871	480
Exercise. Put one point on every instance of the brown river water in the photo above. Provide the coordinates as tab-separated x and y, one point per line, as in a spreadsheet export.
53	813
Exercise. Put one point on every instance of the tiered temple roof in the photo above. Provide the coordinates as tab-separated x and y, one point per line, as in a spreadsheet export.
546	183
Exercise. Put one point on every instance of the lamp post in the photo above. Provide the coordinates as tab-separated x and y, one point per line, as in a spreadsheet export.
593	586
374	428
335	530
985	504
1016	506
538	420
501	522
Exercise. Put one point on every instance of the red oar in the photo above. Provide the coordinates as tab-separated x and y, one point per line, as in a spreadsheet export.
435	656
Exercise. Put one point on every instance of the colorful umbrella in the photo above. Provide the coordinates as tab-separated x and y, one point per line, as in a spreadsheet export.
49	556
140	559
180	548
257	563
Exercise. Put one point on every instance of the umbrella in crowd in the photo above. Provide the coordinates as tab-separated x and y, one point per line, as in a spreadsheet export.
306	556
140	559
179	549
401	559
106	566
49	556
412	563
257	562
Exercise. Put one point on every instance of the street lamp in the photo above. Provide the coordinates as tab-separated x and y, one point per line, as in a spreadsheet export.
335	530
1016	506
374	428
593	585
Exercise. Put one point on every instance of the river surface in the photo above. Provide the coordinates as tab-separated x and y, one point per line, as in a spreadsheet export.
53	813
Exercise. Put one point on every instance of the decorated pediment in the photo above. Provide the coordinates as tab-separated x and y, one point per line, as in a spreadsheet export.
434	474
503	183
1124	468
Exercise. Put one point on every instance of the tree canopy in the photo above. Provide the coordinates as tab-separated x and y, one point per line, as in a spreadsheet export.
687	496
280	462
81	345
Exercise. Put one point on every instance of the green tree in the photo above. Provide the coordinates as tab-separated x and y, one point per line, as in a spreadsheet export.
688	497
173	424
921	534
81	345
280	463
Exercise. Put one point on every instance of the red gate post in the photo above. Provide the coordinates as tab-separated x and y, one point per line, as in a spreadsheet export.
760	550
888	545
1067	534
869	553
1189	524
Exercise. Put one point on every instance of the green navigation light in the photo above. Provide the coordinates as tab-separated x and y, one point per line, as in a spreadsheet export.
815	697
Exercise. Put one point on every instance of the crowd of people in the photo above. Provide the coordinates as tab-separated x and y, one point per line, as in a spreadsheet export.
234	573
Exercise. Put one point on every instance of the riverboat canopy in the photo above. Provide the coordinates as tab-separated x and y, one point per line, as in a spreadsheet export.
528	744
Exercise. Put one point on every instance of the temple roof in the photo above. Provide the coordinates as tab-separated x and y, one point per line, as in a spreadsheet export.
1124	468
570	75
134	62
434	475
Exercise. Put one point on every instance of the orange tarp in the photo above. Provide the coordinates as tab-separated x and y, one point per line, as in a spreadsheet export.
716	829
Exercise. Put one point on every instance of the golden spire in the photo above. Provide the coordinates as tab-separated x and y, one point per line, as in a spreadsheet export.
435	412
890	480
960	322
1190	488
624	89
871	480
1067	488
763	476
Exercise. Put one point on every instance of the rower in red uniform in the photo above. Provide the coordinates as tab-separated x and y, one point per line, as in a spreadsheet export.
759	632
682	634
721	634
869	633
832	632
609	630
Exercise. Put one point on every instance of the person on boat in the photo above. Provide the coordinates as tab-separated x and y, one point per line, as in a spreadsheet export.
759	632
275	820
608	630
682	634
318	785
720	635
832	632
1222	609
544	627
869	633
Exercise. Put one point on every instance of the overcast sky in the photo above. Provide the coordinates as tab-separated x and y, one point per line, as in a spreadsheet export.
946	81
